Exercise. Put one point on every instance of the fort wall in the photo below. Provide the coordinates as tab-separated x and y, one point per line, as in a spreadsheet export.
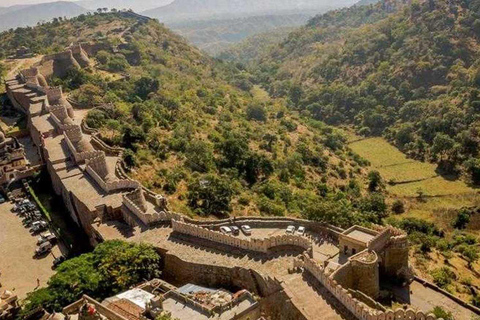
359	309
256	245
178	271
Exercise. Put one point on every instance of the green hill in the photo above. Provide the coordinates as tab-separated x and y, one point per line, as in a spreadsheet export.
410	73
189	121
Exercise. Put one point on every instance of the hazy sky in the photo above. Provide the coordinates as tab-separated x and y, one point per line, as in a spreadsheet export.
7	3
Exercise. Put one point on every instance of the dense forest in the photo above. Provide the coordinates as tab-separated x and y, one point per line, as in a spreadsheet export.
407	72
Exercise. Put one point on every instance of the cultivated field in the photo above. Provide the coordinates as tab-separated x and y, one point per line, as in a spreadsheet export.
407	177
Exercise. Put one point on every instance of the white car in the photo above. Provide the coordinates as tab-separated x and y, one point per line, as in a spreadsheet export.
43	248
290	229
226	230
301	231
246	230
38	226
46	237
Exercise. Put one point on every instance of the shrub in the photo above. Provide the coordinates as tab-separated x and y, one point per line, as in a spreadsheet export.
444	276
462	219
440	313
256	112
398	206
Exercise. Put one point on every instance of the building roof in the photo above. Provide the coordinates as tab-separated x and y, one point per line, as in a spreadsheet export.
137	296
360	234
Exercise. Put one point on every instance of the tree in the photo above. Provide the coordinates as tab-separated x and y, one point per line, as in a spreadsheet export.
295	94
375	181
462	219
472	167
256	112
112	267
199	156
210	195
146	85
398	206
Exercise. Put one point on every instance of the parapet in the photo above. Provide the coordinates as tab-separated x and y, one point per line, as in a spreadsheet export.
80	55
99	166
358	308
256	245
54	94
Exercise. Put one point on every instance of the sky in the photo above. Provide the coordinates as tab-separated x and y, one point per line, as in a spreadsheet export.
8	3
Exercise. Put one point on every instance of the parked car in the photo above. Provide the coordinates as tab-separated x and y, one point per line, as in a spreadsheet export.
290	229
226	230
39	226
58	261
235	230
301	230
46	237
246	230
43	248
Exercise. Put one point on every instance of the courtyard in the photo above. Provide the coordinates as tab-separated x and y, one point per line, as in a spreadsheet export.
18	266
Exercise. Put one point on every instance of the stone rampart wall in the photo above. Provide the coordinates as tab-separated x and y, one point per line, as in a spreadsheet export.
256	245
271	222
380	241
54	93
146	217
80	157
359	309
179	271
109	151
114	185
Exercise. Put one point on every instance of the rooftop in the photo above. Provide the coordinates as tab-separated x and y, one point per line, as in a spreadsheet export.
360	234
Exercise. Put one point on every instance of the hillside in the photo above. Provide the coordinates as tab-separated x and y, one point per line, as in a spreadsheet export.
407	75
20	16
389	76
254	46
184	127
213	36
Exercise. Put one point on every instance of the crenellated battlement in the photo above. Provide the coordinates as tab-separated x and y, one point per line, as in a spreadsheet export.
54	94
358	308
256	245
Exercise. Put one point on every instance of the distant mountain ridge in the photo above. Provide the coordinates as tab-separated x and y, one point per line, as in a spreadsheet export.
135	5
30	15
198	9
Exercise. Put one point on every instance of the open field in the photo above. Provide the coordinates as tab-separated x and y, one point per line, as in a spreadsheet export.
407	175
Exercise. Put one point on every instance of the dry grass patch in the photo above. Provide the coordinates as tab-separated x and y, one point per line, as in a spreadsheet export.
395	167
434	187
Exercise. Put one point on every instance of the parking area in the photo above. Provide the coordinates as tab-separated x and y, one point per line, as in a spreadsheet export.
21	270
324	248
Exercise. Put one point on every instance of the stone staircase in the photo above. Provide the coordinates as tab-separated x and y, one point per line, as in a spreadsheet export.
312	299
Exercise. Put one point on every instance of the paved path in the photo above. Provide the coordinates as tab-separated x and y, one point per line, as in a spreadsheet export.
425	298
22	64
312	299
